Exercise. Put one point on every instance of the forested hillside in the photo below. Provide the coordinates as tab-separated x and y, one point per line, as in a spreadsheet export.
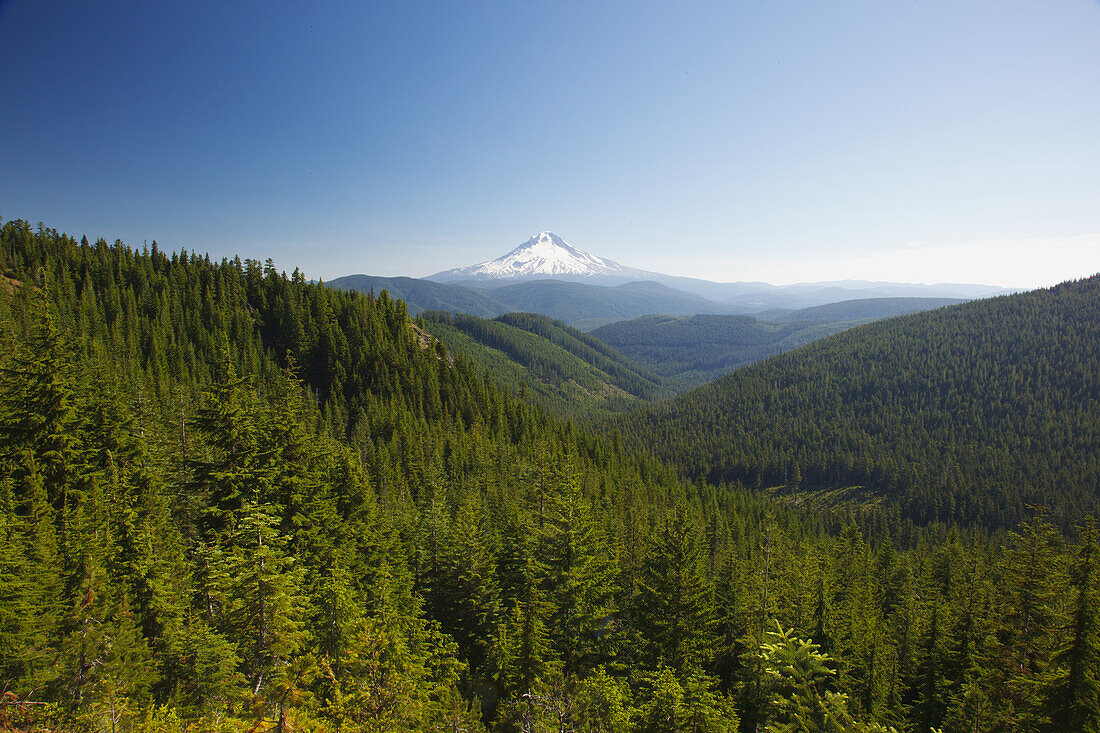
567	370
863	310
972	413
588	306
234	500
694	350
424	295
583	305
691	351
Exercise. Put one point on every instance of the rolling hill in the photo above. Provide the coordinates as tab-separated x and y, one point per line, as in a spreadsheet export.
421	295
697	349
862	310
972	413
564	368
579	302
571	302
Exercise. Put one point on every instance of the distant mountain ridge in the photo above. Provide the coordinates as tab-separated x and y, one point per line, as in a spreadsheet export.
546	256
861	310
549	276
576	303
422	295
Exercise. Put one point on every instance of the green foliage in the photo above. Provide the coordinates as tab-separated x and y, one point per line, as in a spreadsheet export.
602	704
234	500
674	600
687	703
1076	688
692	350
966	414
797	676
564	368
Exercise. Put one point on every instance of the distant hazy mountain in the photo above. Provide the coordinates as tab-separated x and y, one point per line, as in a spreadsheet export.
422	295
575	303
807	295
546	256
862	309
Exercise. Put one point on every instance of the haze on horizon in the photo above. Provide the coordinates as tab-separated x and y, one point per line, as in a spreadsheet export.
783	142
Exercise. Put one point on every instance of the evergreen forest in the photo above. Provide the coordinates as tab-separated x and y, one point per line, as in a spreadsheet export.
693	350
977	413
232	499
568	371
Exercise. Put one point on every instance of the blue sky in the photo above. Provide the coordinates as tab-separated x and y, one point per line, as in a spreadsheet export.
779	141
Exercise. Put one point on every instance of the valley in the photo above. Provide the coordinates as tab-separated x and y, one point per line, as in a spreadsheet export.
682	338
497	367
253	498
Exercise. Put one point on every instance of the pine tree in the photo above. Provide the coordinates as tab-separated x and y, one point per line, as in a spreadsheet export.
522	655
462	590
1035	585
798	682
265	609
673	606
580	578
18	634
32	584
39	411
241	469
661	705
1075	692
123	671
602	704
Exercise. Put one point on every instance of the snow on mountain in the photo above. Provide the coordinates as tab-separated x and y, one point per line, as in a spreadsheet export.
543	256
546	256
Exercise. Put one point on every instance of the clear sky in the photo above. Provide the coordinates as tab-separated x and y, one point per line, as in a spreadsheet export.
951	140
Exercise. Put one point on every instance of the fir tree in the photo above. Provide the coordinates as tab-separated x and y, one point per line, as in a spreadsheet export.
673	606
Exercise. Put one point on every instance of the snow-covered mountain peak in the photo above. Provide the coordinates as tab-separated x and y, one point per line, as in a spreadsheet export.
545	255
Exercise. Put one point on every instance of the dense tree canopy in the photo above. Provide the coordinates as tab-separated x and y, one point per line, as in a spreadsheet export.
231	499
972	413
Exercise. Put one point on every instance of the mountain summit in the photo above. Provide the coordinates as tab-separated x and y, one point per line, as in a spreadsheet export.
546	256
543	256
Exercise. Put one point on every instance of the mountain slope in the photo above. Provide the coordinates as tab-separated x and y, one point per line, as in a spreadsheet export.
566	369
545	255
863	309
421	295
694	350
587	347
573	302
971	412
